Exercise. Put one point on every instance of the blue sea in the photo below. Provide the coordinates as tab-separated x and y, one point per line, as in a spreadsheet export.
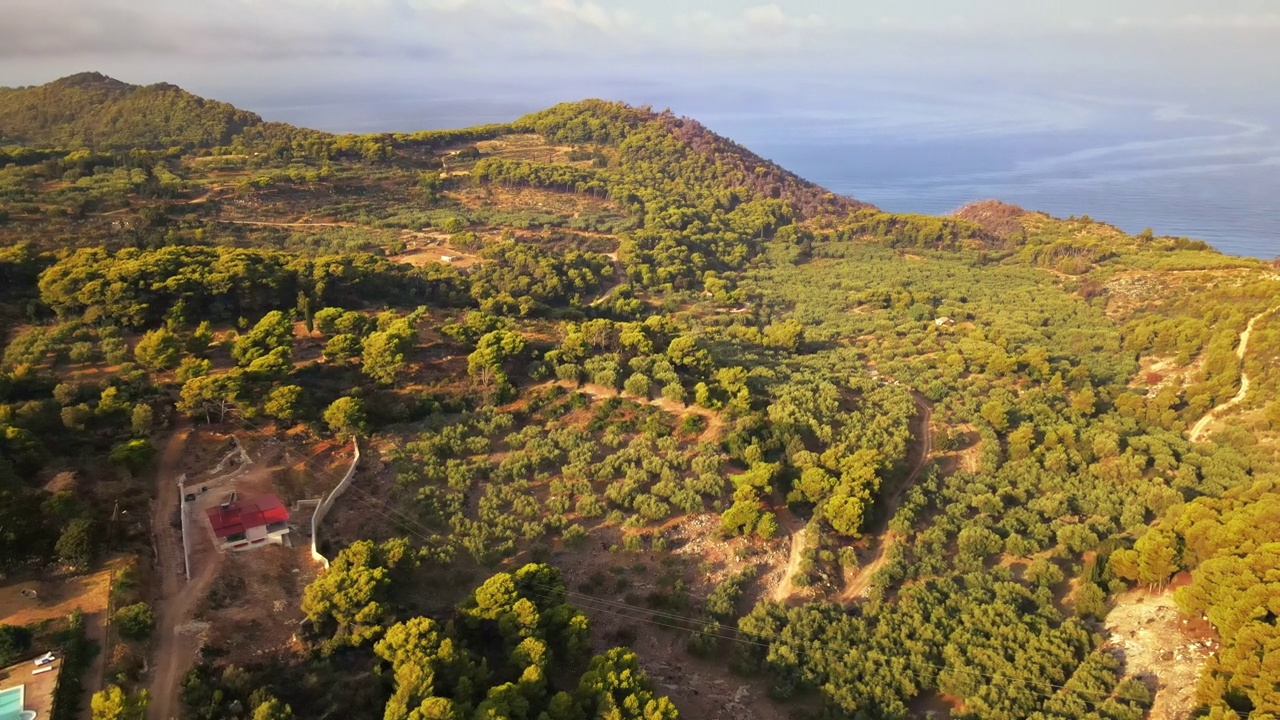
1188	169
1137	166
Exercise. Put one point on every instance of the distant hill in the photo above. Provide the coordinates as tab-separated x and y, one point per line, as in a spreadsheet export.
93	110
650	132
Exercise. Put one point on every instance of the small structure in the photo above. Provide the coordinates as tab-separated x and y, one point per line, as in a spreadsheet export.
944	322
249	522
448	258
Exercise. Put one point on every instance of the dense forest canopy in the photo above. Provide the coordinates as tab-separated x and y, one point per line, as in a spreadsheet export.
92	110
643	420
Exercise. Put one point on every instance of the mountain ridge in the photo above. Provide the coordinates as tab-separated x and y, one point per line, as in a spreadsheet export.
96	111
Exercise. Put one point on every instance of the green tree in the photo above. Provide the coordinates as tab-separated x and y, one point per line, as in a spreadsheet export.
136	621
133	455
272	709
111	401
158	349
78	543
283	403
1157	557
75	417
66	393
492	351
996	412
114	350
352	598
346	416
141	419
342	348
1123	563
192	367
211	395
384	352
638	384
326	320
273	331
307	306
113	703
201	338
786	335
616	688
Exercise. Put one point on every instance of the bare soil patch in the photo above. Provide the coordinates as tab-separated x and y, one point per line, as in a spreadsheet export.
56	597
433	254
1161	647
621	583
529	147
519	199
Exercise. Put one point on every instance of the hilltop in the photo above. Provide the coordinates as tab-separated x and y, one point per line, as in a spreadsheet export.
93	110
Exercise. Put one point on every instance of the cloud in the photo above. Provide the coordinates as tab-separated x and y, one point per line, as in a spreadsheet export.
1261	22
246	29
574	15
771	17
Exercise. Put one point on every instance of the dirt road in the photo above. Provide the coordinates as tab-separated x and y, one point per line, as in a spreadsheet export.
795	528
1202	425
265	223
619	279
858	580
174	651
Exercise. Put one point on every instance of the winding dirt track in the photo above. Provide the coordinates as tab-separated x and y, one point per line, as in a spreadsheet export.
174	652
858	580
795	529
1202	425
265	223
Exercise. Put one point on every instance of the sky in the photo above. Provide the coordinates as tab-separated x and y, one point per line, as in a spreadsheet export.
503	56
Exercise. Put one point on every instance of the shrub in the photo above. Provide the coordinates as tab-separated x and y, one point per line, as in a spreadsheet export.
14	641
78	543
136	621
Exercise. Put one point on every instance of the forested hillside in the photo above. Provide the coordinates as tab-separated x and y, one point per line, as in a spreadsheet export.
92	110
636	425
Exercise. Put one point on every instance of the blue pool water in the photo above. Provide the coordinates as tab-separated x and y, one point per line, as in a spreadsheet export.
11	704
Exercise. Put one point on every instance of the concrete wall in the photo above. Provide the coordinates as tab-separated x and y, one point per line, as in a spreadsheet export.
182	518
323	507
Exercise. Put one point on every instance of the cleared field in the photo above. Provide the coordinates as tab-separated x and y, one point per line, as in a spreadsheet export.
55	597
530	147
437	254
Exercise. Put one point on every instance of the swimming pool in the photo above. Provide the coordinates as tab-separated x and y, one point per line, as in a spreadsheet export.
11	705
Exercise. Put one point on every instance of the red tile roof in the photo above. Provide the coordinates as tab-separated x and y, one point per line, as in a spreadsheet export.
247	513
